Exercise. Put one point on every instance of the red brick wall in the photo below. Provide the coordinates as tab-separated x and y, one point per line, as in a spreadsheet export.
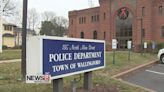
158	21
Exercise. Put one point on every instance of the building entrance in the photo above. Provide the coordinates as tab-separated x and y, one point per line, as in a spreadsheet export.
123	28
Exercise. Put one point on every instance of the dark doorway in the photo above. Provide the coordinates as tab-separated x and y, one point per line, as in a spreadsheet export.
123	29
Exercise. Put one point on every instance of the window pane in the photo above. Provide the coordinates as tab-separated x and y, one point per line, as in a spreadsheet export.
160	10
162	31
143	11
104	35
95	35
104	16
82	35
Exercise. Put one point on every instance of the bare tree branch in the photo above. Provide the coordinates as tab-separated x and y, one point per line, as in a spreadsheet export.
48	16
8	7
33	19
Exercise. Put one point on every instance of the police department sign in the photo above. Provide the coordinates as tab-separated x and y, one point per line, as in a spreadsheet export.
61	57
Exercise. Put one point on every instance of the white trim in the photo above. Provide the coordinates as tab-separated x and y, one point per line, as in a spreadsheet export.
104	55
72	39
41	56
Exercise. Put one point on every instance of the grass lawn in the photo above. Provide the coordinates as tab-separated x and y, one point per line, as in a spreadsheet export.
10	54
9	73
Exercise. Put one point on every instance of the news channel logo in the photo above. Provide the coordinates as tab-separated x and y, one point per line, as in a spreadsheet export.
39	78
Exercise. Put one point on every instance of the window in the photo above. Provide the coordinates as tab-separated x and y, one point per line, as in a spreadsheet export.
8	28
104	35
143	33
160	10
104	16
162	31
92	19
82	35
95	18
143	11
82	20
95	35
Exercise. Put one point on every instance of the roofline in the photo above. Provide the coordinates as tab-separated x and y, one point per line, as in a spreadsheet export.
84	9
10	24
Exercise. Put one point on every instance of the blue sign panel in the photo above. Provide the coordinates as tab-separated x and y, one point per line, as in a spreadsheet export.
68	57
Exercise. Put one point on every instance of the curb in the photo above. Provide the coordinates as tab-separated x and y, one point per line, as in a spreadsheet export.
134	85
10	61
134	69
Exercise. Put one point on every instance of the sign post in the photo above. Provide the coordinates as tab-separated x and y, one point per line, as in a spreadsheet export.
24	27
58	85
88	80
153	46
114	47
74	82
55	58
129	44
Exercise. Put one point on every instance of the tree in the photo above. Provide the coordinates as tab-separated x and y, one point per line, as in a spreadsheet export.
7	7
33	19
61	25
48	16
47	28
56	27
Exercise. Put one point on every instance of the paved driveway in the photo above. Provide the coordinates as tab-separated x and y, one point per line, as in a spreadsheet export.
151	78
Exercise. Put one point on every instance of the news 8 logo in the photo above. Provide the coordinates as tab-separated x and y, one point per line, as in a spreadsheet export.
46	78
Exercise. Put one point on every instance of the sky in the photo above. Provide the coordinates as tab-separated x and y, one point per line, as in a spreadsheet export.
60	7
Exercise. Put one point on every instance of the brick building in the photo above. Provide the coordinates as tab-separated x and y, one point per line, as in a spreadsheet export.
136	20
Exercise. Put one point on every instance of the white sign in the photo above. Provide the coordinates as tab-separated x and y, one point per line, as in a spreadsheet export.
114	44
129	43
145	45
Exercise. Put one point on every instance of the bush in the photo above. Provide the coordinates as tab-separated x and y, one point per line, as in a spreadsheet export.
4	47
17	47
158	46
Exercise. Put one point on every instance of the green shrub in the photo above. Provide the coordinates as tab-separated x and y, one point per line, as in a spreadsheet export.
158	46
17	47
4	47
